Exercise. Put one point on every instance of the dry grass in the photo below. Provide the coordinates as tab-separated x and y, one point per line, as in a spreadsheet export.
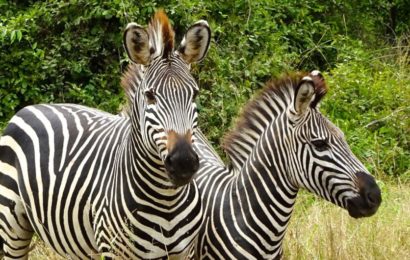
319	230
42	252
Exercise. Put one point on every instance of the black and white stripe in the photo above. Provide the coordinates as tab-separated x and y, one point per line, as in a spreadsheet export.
280	144
90	183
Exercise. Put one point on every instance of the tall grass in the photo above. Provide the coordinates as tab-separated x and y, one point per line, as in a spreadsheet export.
40	251
319	230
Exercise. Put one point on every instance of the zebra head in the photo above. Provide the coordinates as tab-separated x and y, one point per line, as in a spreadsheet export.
164	100
323	161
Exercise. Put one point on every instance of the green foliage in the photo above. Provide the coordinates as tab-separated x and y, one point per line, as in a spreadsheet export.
369	100
71	51
59	52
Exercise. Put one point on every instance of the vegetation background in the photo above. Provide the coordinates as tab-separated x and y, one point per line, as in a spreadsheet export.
71	51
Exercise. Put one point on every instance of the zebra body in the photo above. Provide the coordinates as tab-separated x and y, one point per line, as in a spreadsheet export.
90	183
280	144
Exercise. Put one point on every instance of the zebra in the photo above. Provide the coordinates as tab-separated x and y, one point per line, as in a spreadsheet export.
280	144
93	184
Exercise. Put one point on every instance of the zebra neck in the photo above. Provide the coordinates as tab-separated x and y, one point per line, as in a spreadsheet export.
262	115
144	162
264	187
266	201
139	184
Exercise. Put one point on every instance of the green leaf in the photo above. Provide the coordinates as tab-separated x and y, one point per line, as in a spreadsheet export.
3	33
19	35
12	36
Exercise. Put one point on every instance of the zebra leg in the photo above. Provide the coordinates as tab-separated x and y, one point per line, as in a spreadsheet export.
15	228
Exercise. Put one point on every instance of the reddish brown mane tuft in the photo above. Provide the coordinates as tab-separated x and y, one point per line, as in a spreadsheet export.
160	23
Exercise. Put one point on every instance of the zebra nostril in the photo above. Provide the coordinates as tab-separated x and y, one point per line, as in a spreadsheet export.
373	197
370	199
168	162
369	190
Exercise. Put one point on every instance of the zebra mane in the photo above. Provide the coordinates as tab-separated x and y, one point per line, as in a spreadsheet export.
239	142
161	35
130	81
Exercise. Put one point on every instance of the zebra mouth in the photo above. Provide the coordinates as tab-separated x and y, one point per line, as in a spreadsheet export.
368	200
180	175
181	164
179	181
364	205
358	210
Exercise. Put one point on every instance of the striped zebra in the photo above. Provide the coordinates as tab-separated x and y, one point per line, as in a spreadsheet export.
281	143
90	183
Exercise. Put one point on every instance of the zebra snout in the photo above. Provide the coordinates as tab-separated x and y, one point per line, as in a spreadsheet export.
369	199
181	163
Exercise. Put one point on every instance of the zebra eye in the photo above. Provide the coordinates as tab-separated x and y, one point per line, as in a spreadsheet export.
150	96
320	145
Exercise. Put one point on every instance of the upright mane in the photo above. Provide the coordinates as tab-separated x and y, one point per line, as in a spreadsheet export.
239	142
130	81
161	35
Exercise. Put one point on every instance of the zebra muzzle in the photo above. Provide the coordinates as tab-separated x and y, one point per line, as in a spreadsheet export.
182	162
369	199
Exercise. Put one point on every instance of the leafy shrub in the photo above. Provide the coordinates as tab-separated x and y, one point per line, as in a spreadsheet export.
369	100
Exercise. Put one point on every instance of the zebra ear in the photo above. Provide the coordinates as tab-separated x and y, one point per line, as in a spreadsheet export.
136	42
195	43
304	95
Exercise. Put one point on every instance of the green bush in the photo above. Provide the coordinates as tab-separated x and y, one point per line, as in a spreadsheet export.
59	52
71	51
369	100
